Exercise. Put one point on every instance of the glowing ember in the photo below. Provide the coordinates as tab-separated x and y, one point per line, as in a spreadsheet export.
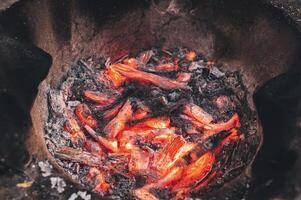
163	121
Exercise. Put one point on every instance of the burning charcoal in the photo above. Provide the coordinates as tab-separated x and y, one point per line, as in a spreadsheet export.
233	122
166	67
139	161
93	147
167	157
72	127
132	62
191	56
141	113
197	113
111	145
118	123
98	179
109	114
158	122
165	124
183	77
116	77
148	77
196	171
223	102
146	56
100	98
84	114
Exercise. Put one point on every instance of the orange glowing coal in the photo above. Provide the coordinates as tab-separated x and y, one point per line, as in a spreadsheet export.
119	140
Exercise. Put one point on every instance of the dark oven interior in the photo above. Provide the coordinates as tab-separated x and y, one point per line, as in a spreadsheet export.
46	36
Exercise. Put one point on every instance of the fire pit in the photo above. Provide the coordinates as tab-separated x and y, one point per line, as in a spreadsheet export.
166	124
154	99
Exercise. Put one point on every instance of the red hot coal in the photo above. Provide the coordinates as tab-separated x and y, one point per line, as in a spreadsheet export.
161	124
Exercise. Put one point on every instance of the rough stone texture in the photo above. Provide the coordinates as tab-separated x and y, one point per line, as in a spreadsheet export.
290	8
5	4
210	30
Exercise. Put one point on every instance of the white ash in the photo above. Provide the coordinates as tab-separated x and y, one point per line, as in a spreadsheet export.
108	62
65	135
50	146
174	96
66	87
72	104
73	196
56	125
57	139
82	194
196	65
45	168
57	136
216	72
58	105
58	183
75	177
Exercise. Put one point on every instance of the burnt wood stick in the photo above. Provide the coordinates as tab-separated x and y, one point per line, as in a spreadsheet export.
159	81
207	145
83	157
92	133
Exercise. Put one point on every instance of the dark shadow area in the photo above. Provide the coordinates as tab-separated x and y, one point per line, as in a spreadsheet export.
13	123
108	10
14	23
22	67
278	103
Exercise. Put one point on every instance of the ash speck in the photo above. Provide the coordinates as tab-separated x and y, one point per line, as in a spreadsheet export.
58	183
216	72
45	168
80	194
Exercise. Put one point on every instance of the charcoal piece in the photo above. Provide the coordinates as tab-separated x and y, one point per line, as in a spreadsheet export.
153	125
